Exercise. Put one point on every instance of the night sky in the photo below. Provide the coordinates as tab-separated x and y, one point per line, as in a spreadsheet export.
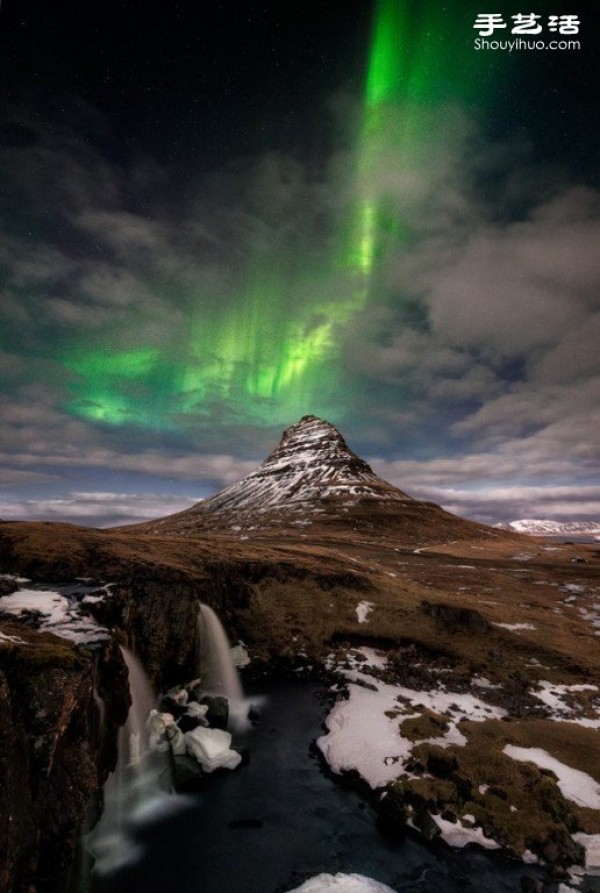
217	218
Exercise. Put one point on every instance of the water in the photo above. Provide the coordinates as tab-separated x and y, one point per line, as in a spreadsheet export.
216	668
268	826
139	783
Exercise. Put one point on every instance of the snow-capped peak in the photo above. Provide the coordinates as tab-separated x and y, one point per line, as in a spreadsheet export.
312	444
545	527
312	478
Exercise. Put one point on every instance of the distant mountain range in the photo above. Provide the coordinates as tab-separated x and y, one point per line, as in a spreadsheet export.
539	527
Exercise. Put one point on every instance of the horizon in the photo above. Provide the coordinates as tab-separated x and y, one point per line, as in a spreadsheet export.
216	221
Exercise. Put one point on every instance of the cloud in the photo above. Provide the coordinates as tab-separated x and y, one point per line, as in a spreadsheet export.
96	509
474	364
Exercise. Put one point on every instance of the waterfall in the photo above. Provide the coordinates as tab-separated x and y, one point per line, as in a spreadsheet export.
139	783
133	738
217	669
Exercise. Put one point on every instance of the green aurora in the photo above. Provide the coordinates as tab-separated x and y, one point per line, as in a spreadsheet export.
268	351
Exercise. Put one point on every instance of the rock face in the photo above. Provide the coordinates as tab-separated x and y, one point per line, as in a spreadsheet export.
313	478
54	753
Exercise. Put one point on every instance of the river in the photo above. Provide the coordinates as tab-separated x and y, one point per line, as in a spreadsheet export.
269	825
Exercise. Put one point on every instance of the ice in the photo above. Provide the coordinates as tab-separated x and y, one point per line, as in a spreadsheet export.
574	784
211	747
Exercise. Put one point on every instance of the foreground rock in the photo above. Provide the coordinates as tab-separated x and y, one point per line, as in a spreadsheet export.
54	755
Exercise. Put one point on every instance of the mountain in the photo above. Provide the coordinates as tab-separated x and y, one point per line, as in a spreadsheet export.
539	527
312	479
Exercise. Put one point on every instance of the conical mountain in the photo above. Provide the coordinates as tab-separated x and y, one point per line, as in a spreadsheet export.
312	481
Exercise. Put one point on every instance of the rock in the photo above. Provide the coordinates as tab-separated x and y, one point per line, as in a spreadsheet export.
463	785
180	696
170	705
441	763
531	885
187	774
426	825
188	722
561	850
244	753
218	711
239	655
211	747
52	755
455	617
198	711
157	725
176	739
392	813
254	714
197	693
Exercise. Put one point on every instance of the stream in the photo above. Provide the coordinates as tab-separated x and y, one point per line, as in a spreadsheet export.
269	825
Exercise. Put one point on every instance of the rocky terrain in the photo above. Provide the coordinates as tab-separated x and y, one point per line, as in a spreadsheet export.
468	656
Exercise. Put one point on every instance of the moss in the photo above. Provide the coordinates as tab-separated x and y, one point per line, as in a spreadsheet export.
427	725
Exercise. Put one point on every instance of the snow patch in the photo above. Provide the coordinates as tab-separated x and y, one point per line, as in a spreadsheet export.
363	609
574	784
515	627
591	845
342	883
457	835
56	613
14	639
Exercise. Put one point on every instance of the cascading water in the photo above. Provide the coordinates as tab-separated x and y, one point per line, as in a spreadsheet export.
140	781
217	668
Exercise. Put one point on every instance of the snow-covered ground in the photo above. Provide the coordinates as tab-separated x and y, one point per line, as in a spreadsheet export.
58	610
575	785
363	731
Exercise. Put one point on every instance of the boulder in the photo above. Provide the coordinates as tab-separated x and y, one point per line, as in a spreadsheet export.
176	739
187	774
426	825
188	723
198	711
170	705
157	725
218	711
